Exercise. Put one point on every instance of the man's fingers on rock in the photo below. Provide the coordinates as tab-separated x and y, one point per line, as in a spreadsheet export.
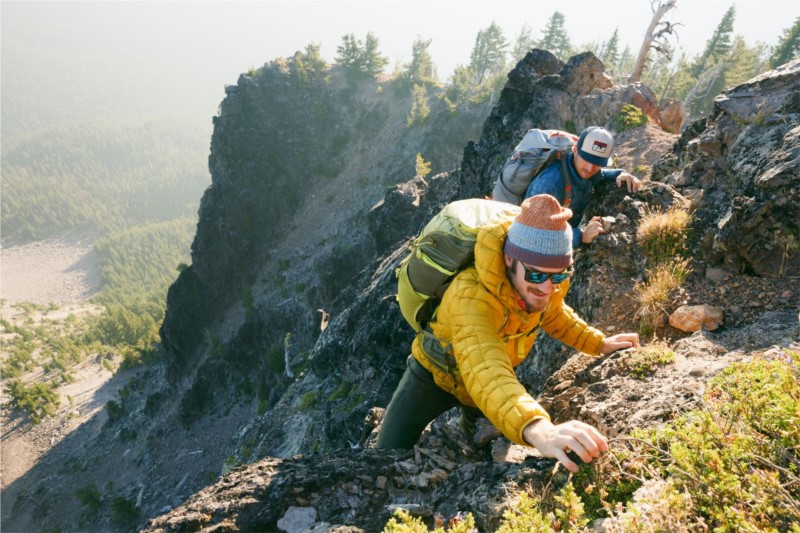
568	463
592	441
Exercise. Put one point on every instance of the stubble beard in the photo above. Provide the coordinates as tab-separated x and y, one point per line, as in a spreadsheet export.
525	291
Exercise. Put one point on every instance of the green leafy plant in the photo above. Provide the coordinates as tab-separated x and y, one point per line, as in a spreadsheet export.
730	466
403	522
123	511
89	496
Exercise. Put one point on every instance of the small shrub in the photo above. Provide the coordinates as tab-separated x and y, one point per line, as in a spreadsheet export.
39	400
403	522
737	458
308	400
629	117
114	410
341	391
423	168
89	496
524	516
123	511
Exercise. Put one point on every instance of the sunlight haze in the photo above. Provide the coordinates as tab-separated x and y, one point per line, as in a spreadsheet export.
188	51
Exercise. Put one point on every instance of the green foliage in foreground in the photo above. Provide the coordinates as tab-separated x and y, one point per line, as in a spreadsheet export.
732	466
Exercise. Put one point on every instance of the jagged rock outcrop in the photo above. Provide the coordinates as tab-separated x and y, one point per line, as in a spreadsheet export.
366	354
302	408
741	167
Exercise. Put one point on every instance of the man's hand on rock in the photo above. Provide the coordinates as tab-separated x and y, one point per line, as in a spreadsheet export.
632	182
620	342
592	230
556	441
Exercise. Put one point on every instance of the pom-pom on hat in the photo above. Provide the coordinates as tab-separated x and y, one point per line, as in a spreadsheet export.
595	145
540	235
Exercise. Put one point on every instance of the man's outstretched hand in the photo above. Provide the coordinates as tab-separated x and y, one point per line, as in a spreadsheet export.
620	342
555	441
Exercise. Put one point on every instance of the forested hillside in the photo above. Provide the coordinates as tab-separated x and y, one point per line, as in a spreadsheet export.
102	176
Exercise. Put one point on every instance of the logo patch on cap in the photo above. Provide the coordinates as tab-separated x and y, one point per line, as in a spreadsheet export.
599	147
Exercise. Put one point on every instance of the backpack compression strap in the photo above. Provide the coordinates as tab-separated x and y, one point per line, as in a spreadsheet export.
567	182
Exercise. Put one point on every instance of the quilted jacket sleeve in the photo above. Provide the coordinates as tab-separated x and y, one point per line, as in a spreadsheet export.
562	323
475	318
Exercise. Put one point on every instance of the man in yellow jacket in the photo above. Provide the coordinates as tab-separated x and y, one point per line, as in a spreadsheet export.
486	325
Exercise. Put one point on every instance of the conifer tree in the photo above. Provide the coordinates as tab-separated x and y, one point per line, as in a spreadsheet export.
489	52
611	50
625	61
788	47
555	37
419	105
461	86
719	45
523	43
349	52
745	61
312	58
421	69
371	61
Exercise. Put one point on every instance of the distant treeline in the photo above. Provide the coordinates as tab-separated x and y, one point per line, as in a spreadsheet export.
102	176
726	60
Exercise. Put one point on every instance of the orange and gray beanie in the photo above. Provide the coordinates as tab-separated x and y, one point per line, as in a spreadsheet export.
540	235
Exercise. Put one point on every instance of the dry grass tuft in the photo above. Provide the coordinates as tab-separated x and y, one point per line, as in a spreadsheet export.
655	294
662	234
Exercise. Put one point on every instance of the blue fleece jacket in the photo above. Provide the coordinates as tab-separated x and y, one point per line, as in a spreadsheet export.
549	181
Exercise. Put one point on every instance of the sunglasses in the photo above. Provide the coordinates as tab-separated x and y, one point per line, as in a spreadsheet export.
534	276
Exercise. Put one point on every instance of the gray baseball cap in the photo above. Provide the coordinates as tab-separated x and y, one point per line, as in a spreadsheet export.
595	145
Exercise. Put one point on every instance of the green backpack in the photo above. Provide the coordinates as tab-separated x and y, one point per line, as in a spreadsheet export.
444	248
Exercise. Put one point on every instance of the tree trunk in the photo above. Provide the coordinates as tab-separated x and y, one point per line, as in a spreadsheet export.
638	66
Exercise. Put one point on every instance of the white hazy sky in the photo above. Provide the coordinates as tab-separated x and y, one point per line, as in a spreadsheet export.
224	39
260	30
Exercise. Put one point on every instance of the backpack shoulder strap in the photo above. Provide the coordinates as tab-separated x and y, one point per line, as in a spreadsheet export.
567	182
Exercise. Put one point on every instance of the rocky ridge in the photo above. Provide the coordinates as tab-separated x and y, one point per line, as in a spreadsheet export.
758	294
302	409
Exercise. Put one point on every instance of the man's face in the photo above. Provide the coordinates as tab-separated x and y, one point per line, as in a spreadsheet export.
584	169
535	295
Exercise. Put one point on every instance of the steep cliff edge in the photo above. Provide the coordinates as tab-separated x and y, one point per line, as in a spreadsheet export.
250	377
744	155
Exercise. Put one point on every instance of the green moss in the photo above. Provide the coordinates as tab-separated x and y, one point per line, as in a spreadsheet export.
309	400
341	391
644	361
629	117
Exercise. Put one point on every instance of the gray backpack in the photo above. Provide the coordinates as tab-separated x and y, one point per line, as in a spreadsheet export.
537	149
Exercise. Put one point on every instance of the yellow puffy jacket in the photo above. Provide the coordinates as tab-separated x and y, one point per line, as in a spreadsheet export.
480	323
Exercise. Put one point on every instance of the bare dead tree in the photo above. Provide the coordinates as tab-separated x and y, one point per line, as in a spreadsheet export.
655	31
